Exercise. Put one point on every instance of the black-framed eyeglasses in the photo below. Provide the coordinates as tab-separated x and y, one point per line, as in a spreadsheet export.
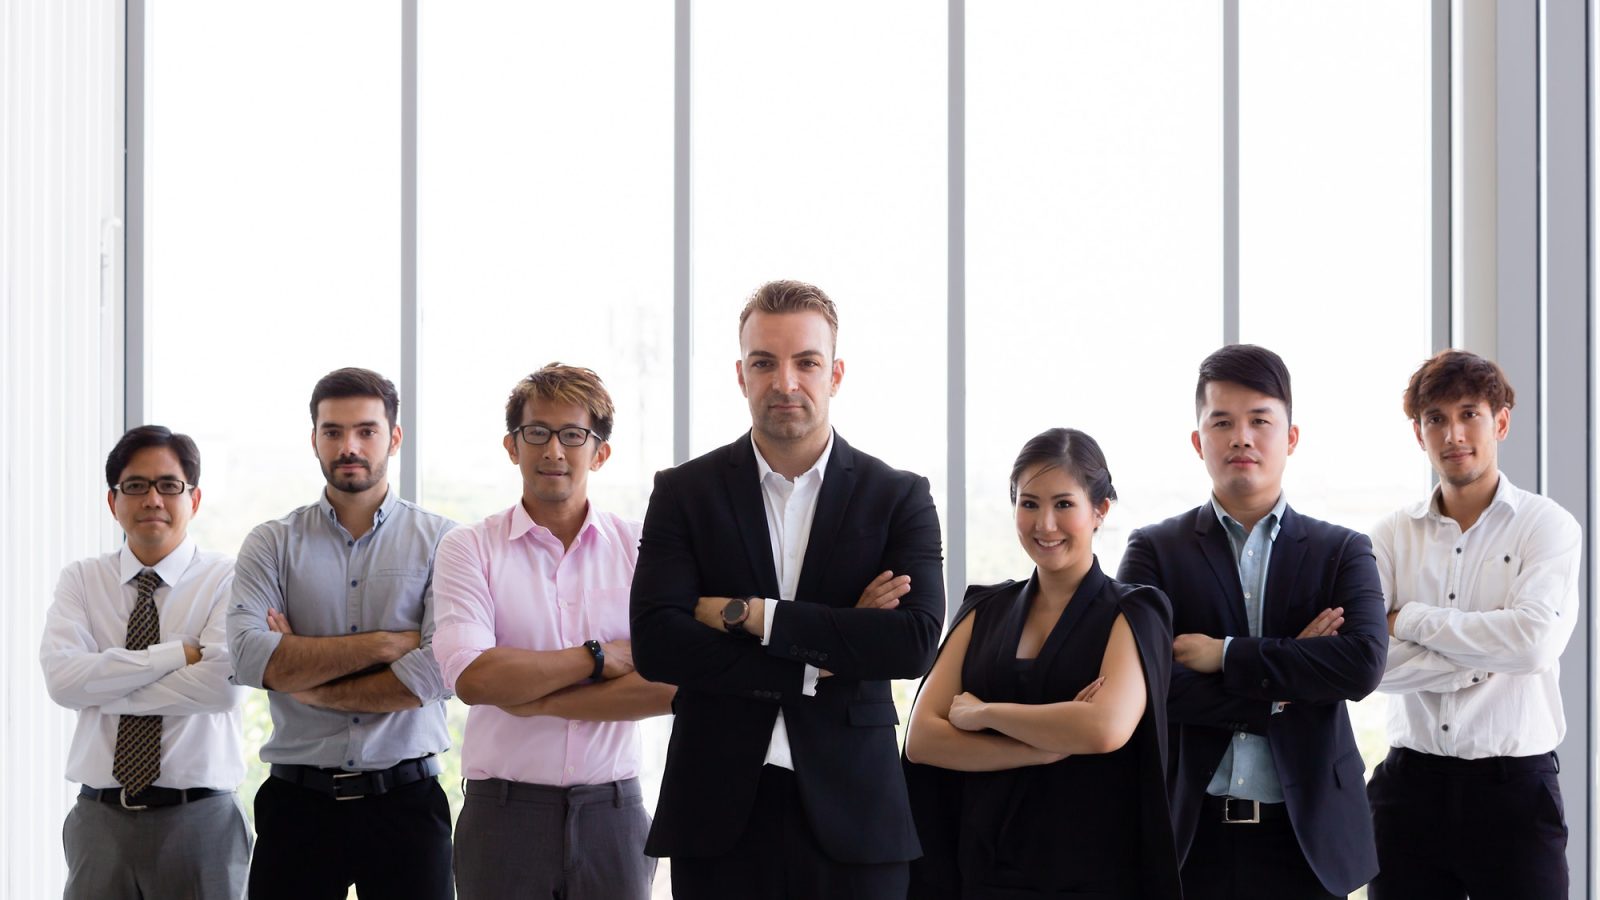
138	487
570	436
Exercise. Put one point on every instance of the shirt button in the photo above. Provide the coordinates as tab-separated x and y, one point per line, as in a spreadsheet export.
352	582
1241	736
1241	781
1445	727
1452	596
349	543
352	628
356	719
1249	553
349	762
1458	549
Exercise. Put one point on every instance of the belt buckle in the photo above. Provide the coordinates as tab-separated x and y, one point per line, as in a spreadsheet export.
1227	812
336	779
124	798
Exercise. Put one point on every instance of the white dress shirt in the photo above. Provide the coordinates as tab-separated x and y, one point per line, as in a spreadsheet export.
1484	615
791	507
88	668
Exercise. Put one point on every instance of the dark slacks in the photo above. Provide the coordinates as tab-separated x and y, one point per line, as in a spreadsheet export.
1448	828
516	841
310	846
1248	862
777	858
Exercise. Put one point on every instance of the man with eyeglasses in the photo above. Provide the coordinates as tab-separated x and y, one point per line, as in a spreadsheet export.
332	612
533	634
135	642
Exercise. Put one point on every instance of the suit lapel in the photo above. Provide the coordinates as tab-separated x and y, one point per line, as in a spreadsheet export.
1283	572
750	513
838	486
1218	552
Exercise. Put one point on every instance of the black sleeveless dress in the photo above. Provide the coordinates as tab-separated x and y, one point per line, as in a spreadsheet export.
1090	827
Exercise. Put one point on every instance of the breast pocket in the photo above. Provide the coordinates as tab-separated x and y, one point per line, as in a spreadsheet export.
1495	578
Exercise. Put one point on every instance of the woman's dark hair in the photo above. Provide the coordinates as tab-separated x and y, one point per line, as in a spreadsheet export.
1256	368
136	439
1073	452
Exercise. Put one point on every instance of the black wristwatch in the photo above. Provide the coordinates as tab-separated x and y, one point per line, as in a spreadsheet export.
734	615
599	654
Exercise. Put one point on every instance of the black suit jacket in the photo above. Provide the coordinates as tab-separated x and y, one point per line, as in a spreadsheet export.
705	534
1314	565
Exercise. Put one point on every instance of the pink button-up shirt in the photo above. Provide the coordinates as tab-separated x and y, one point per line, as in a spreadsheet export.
507	582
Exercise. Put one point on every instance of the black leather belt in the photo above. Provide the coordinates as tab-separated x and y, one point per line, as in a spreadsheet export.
342	785
150	797
1234	811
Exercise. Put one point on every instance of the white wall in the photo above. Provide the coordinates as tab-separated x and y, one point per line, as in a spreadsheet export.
60	377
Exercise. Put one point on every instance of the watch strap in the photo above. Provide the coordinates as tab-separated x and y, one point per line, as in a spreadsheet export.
599	654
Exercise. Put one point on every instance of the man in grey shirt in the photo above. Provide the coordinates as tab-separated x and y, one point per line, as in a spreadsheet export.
332	612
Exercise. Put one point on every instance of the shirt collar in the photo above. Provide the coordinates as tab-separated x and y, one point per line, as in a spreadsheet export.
1505	492
819	467
391	500
1274	518
170	568
522	523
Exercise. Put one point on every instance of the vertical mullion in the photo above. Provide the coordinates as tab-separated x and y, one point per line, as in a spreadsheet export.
1439	65
1230	171
135	358
956	327
682	319
410	313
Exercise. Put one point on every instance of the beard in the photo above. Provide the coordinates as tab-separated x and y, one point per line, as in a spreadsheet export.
786	427
357	482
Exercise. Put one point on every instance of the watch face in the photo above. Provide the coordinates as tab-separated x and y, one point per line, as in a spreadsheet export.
735	611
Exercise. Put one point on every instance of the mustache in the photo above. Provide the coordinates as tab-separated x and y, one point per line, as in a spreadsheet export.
352	461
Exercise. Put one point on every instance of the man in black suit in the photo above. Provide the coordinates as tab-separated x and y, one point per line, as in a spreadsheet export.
782	581
1279	619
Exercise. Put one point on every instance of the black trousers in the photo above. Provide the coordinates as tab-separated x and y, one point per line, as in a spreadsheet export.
310	846
777	858
1448	828
1262	861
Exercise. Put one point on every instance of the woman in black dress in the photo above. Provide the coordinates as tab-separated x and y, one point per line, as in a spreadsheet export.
1036	750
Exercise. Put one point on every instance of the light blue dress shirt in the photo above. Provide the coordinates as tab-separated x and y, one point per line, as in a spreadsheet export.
1247	770
328	582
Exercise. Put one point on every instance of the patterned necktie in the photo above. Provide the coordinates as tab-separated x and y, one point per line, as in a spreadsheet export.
137	760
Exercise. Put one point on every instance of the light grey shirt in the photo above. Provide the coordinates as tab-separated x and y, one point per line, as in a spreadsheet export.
307	566
1247	770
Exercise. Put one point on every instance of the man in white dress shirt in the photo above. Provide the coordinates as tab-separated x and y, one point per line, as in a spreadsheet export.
1481	581
135	643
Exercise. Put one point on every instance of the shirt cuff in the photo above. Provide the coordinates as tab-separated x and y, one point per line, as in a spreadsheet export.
808	683
167	656
1403	623
770	607
1223	666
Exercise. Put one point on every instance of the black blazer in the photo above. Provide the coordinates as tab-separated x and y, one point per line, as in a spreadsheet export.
705	534
1314	565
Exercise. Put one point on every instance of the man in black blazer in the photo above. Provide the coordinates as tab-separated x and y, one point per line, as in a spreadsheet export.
782	581
1279	619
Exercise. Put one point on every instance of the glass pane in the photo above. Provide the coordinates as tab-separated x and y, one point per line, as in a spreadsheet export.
273	230
545	233
1334	247
1094	247
819	154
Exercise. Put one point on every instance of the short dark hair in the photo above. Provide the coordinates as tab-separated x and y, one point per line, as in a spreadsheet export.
791	297
353	382
1072	451
1256	368
146	436
1453	375
564	384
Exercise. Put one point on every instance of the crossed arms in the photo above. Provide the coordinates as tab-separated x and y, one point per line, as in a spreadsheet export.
371	672
1338	655
849	640
953	729
172	678
1442	649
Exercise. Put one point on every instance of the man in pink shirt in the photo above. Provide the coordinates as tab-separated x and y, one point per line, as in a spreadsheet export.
532	632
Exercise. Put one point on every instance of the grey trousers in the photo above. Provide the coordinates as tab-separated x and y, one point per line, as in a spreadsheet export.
518	840
198	850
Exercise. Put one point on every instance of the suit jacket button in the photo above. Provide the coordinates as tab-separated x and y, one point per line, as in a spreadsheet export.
1265	682
794	650
822	657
